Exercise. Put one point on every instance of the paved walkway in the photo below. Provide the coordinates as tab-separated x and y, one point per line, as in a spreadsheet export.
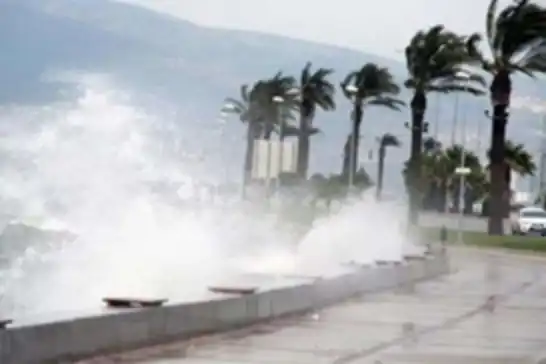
489	311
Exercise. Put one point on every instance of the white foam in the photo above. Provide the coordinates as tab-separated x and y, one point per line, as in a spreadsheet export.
86	166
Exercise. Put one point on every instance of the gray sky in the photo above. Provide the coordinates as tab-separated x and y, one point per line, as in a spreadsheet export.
377	26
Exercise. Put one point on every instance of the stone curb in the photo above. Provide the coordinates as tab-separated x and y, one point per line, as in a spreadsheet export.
69	340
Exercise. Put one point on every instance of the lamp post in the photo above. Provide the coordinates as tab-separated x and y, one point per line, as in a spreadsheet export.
461	171
224	113
279	101
352	91
293	94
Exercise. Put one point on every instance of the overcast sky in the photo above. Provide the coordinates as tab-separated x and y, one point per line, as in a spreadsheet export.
377	26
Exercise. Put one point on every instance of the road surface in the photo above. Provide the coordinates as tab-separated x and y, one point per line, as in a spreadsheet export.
489	311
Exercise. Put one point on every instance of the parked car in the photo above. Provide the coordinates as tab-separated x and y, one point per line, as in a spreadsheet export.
529	220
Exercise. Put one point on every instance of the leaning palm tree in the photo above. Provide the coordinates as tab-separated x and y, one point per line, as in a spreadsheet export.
453	158
387	140
248	114
431	145
262	115
439	178
371	85
516	160
274	115
315	92
516	37
435	61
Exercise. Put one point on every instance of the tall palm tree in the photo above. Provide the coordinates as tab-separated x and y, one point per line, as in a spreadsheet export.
432	149
315	92
435	61
371	85
516	160
452	157
439	179
248	114
387	140
516	37
257	109
270	112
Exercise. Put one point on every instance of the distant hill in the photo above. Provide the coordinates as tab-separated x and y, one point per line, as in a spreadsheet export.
192	66
154	50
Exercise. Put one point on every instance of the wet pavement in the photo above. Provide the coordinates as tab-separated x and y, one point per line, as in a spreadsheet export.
489	310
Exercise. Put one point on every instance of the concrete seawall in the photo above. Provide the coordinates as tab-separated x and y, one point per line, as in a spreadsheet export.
83	337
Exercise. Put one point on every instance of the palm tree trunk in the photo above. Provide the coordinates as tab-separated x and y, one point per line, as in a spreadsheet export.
346	158
268	131
418	106
507	189
303	148
380	172
249	155
500	96
357	120
497	170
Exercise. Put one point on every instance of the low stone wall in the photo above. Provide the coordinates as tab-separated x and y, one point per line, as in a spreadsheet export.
83	337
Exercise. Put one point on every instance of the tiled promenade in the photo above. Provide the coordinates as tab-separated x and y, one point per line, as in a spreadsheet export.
491	310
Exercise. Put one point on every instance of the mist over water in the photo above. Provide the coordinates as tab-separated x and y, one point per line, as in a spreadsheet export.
111	190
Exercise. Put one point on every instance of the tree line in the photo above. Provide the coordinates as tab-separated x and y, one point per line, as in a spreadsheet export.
438	60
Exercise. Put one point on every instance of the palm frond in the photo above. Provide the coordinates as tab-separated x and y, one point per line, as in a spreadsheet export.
518	158
373	86
348	80
490	25
430	144
245	96
233	106
516	37
316	90
389	140
294	131
450	88
388	102
475	55
439	56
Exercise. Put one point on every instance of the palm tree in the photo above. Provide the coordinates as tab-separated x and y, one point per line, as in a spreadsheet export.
315	92
435	61
452	158
431	145
371	85
432	148
273	114
439	179
516	37
257	109
387	140
516	160
248	114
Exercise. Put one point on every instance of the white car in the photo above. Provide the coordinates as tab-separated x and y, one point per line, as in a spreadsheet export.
529	220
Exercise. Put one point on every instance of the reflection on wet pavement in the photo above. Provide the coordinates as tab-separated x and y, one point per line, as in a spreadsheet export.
490	310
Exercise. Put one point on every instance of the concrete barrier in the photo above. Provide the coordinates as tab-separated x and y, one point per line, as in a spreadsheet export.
84	337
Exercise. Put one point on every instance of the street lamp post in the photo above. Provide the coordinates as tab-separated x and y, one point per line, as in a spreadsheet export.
462	171
279	101
226	109
293	94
